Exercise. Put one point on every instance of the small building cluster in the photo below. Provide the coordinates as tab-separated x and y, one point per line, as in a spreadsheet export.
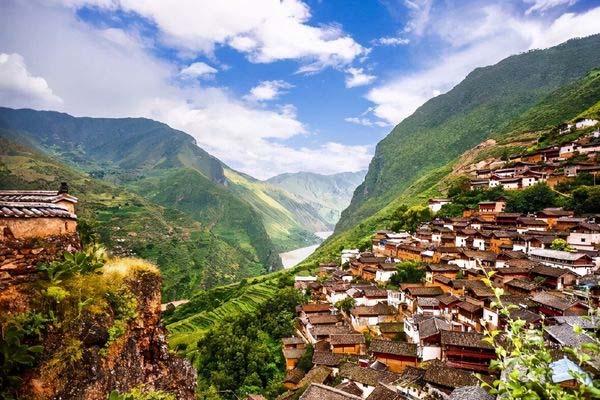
425	340
552	165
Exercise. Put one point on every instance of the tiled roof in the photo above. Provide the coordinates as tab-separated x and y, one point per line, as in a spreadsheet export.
470	393
522	284
432	326
544	270
294	376
556	254
327	358
319	319
353	338
440	374
428	302
468	307
393	347
35	196
584	322
350	387
391	327
383	393
566	336
314	307
446	299
431	291
366	376
321	330
34	210
292	340
464	339
375	292
528	316
317	374
550	300
442	267
293	354
321	392
372	311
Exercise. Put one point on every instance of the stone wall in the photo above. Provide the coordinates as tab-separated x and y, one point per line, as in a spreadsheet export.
25	228
19	258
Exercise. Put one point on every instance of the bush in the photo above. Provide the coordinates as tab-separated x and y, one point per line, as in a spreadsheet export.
88	261
532	199
408	272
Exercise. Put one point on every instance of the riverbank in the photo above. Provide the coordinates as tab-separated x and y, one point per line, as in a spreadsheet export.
293	257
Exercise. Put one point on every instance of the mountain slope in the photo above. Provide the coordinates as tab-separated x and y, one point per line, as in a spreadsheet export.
190	257
486	101
383	192
329	194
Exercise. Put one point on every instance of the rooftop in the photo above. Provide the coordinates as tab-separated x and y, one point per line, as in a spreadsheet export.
392	347
464	339
320	392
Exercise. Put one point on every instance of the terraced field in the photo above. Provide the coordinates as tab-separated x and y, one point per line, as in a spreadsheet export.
189	330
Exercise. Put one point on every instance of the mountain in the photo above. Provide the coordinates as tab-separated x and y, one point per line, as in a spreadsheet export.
328	194
417	160
484	103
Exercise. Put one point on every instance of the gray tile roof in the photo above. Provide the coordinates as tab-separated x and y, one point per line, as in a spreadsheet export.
321	392
393	347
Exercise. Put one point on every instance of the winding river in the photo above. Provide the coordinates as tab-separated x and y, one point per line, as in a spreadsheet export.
291	258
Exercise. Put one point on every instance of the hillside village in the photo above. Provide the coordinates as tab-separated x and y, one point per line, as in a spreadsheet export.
369	336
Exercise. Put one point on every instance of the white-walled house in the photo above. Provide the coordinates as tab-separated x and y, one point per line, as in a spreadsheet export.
349	254
584	236
435	205
585	123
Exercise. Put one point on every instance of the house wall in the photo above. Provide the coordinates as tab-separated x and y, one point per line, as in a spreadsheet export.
347	349
396	363
583	241
25	228
431	353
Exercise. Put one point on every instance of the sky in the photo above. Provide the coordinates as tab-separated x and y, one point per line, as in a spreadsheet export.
267	86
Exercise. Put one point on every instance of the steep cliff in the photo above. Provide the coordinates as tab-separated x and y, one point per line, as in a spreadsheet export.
78	329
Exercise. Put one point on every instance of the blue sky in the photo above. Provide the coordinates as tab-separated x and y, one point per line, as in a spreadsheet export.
267	86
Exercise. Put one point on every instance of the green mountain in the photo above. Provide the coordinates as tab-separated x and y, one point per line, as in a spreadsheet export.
328	194
528	92
484	103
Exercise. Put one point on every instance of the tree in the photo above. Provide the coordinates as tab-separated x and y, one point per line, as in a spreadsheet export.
346	304
305	362
532	199
409	219
560	244
586	200
408	272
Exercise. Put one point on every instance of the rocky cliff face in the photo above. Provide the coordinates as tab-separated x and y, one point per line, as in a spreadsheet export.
91	346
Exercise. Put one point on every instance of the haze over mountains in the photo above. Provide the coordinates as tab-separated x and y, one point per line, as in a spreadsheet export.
157	183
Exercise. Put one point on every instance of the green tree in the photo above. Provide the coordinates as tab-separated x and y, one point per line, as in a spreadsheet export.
560	244
531	199
409	219
346	304
586	200
305	362
408	272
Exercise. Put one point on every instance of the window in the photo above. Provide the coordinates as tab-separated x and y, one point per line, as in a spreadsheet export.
582	240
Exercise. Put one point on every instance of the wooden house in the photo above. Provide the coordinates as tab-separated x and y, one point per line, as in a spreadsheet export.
348	344
396	355
466	350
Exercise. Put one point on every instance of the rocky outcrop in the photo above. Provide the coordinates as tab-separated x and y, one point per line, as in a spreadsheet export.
19	257
94	365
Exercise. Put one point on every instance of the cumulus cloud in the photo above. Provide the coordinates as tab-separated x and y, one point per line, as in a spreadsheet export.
268	90
266	31
111	73
366	122
19	88
545	5
476	36
358	77
199	70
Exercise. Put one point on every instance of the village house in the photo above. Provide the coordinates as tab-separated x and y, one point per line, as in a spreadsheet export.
447	270
385	271
580	263
551	215
553	278
466	350
348	343
392	330
365	317
349	255
425	332
551	305
367	379
441	379
293	349
411	293
395	355
584	236
28	214
435	205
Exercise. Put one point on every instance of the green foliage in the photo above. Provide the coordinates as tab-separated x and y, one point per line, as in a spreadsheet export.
586	199
560	244
583	179
243	352
409	219
88	261
408	272
523	360
463	199
532	199
305	362
56	293
16	354
346	304
140	394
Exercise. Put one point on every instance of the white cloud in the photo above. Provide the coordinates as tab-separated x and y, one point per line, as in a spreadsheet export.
477	36
199	70
19	88
266	30
358	77
112	74
420	12
391	41
545	5
366	122
268	90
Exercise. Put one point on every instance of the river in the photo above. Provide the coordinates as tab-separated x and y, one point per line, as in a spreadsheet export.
291	258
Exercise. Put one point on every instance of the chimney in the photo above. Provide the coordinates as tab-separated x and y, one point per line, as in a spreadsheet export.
64	188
